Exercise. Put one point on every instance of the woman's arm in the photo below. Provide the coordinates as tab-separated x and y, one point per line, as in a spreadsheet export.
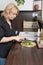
7	39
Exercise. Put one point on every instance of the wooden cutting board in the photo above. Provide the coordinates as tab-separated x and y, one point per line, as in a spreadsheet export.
40	45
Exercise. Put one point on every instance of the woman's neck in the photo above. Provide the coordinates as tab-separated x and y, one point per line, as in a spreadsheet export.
9	22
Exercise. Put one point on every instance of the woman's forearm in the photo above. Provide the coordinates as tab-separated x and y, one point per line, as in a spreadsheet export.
7	39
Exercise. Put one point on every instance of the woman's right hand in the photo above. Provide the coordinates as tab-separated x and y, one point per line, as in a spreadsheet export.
19	38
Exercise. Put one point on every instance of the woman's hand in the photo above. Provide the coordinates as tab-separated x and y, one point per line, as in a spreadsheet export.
19	38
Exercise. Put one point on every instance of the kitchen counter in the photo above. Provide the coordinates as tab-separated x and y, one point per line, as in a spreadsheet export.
19	55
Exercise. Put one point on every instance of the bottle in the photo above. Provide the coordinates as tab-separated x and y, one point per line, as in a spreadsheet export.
38	35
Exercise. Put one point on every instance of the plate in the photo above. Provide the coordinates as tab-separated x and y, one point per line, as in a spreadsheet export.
28	44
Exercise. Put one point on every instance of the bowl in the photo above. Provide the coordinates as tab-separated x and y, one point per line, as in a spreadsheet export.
28	43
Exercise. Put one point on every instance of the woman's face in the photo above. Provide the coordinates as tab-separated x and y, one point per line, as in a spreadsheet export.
13	13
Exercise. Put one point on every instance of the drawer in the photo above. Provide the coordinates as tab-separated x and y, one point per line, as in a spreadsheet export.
30	24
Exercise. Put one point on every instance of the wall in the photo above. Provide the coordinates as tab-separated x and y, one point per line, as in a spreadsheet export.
42	10
28	5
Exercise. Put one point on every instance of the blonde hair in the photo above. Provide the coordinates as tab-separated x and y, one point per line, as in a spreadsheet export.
8	8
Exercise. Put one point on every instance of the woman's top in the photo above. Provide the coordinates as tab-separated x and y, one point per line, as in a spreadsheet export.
5	31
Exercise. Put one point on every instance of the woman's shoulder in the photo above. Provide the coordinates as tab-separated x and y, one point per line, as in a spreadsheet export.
2	20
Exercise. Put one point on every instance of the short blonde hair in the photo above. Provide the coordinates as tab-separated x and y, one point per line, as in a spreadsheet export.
8	9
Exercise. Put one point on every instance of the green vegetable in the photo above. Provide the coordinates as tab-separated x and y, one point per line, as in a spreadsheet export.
26	43
19	2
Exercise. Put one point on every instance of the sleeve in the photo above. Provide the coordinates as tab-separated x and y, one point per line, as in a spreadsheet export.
1	32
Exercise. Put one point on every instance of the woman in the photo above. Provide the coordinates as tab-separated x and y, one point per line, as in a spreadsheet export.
7	31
